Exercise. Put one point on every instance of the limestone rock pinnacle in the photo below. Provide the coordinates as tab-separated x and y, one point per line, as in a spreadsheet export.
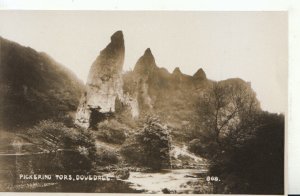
104	84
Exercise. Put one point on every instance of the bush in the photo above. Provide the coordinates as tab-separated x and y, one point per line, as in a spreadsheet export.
257	165
112	132
106	157
195	146
65	149
132	152
112	136
206	149
151	146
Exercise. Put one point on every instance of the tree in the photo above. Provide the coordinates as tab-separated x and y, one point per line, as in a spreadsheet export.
244	144
151	146
226	118
256	165
224	106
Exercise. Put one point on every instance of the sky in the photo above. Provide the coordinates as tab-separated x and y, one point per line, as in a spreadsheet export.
249	45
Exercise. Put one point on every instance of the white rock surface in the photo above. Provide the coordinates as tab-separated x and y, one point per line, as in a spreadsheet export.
104	83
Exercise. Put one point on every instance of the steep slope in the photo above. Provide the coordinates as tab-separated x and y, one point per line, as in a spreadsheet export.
33	87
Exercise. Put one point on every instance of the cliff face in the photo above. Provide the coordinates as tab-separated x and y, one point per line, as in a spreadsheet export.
33	87
104	84
171	96
146	90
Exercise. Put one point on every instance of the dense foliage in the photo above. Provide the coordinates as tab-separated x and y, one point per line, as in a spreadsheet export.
111	131
33	87
150	147
64	149
257	165
244	144
107	157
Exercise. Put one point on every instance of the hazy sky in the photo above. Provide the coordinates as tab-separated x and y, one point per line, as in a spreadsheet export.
249	45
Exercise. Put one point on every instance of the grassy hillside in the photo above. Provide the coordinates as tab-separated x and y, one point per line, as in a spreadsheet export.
33	87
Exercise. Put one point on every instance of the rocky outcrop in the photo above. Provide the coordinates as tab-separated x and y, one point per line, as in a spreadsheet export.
168	95
145	65
177	72
146	90
104	84
144	71
199	75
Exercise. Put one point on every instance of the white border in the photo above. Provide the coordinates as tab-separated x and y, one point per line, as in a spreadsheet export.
293	6
216	5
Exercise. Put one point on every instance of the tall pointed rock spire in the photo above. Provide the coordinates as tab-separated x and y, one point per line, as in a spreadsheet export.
104	83
145	63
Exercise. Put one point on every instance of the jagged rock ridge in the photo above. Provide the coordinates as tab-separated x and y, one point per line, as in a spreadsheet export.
148	89
163	93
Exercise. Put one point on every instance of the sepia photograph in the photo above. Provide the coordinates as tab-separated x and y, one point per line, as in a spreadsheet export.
161	102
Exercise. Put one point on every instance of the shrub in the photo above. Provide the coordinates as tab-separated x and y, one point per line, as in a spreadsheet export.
132	152
205	148
65	149
112	132
107	157
195	146
257	165
112	136
151	146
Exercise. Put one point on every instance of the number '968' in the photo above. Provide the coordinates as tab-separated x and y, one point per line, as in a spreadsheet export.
212	178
